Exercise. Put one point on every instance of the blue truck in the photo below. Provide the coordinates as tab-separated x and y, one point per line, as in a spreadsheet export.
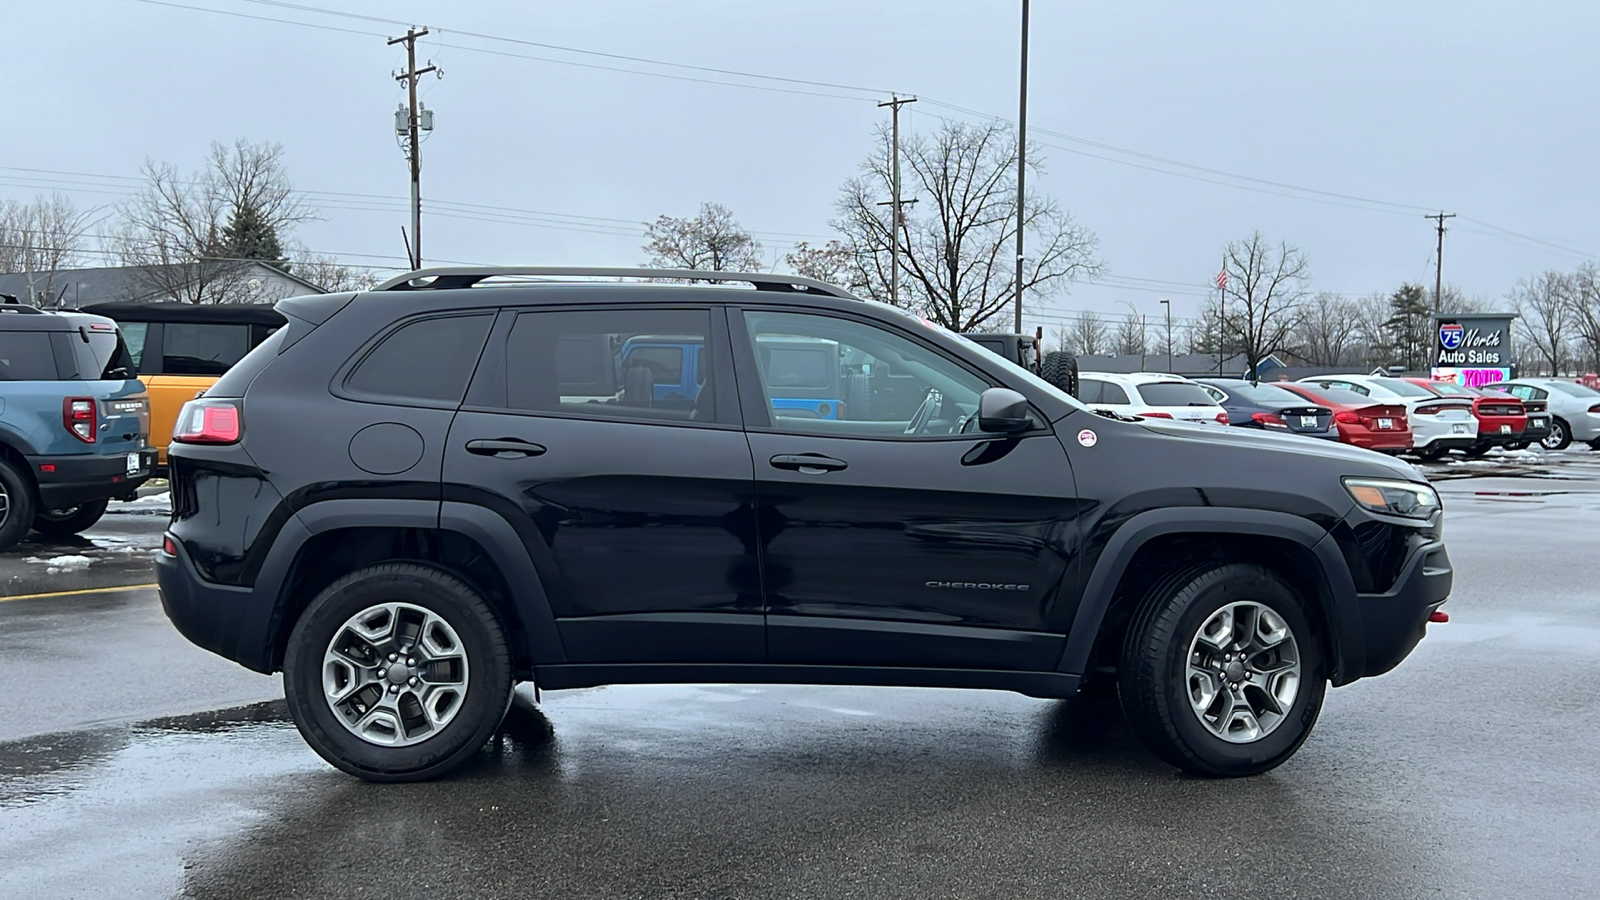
74	421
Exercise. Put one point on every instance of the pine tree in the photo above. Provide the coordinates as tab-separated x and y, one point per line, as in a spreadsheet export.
250	236
1407	329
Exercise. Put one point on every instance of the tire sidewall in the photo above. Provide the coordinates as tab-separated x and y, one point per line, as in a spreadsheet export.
81	519
1560	436
1231	584
488	672
20	506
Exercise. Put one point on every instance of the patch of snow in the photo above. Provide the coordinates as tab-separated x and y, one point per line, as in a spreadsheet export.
62	563
162	500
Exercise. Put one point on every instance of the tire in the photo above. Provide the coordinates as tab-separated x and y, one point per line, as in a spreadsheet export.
66	523
858	396
1475	451
1594	444
17	505
1061	369
1155	683
1431	453
1560	436
473	647
1517	445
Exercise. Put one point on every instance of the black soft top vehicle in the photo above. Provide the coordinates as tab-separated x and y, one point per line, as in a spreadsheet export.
393	502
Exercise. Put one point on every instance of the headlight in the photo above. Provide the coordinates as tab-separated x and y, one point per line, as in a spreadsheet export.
1394	497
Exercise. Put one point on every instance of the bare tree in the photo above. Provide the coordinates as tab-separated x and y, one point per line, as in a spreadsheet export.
1132	335
957	242
1088	332
1329	329
1264	289
831	263
333	276
1062	336
1545	308
40	238
177	230
1585	308
1372	314
712	240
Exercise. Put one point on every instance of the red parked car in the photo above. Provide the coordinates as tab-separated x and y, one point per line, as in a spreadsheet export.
1362	421
1501	417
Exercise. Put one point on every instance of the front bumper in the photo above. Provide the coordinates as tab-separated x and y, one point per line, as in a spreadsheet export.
69	481
1395	621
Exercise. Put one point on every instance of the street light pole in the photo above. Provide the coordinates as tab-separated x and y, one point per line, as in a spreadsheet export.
1022	162
1168	305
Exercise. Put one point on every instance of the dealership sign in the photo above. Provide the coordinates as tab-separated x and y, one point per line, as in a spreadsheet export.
1475	341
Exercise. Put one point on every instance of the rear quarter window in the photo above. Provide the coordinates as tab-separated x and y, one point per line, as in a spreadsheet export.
426	360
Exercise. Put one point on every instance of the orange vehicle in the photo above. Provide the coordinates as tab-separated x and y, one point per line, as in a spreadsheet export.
180	349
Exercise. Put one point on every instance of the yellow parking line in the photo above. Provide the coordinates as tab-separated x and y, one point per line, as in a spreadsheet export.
104	590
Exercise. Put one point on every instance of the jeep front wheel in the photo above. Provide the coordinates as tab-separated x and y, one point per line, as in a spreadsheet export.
397	672
1221	674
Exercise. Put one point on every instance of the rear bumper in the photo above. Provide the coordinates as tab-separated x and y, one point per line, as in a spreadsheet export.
1382	441
229	621
68	481
1396	621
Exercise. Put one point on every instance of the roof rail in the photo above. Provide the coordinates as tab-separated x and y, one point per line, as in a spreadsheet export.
467	276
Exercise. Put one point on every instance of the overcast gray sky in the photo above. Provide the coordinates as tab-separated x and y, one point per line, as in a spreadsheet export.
1485	109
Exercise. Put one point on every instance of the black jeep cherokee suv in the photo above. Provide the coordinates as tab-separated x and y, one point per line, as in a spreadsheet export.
410	499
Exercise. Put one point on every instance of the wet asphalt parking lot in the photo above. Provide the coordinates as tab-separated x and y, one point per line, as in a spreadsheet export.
135	765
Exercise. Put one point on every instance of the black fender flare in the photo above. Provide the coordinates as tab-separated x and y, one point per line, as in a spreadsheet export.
488	529
1343	613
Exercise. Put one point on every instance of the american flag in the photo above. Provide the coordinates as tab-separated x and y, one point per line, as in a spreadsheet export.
1221	280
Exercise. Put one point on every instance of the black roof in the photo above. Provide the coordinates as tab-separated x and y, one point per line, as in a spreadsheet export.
225	314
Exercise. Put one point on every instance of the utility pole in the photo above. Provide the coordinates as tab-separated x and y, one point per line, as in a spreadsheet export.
894	103
413	138
1168	305
1022	160
1438	260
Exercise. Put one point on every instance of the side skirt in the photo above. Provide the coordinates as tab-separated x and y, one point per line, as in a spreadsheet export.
1047	685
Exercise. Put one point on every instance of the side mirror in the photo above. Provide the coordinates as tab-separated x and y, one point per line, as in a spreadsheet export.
1003	411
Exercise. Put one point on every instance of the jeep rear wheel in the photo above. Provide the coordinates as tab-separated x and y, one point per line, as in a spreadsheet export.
397	672
1221	674
16	505
67	522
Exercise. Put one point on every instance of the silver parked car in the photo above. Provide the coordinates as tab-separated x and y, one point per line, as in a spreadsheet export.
1574	408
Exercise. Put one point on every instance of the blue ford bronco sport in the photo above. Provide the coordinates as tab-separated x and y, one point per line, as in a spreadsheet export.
74	421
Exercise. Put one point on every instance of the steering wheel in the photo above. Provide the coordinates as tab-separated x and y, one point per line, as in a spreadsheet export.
924	414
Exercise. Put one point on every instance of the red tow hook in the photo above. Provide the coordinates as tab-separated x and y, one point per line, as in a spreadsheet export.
1438	615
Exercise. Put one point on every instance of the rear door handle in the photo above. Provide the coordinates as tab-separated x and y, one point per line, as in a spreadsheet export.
809	463
505	448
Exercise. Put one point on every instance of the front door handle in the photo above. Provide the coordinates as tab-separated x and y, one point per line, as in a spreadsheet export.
808	463
505	448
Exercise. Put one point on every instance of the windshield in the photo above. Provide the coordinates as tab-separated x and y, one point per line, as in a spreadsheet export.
1402	387
1175	393
1267	395
1010	367
1336	396
1574	390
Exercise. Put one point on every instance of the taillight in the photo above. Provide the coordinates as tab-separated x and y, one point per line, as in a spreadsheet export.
79	416
1595	408
1156	415
1347	417
169	547
1430	410
1222	417
1268	420
207	422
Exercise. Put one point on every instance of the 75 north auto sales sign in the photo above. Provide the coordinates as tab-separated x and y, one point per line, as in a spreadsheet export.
1473	340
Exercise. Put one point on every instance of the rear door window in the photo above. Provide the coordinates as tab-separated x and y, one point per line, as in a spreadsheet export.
194	348
27	356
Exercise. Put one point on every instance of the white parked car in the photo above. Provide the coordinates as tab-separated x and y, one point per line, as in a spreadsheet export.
1574	408
1438	424
1151	395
